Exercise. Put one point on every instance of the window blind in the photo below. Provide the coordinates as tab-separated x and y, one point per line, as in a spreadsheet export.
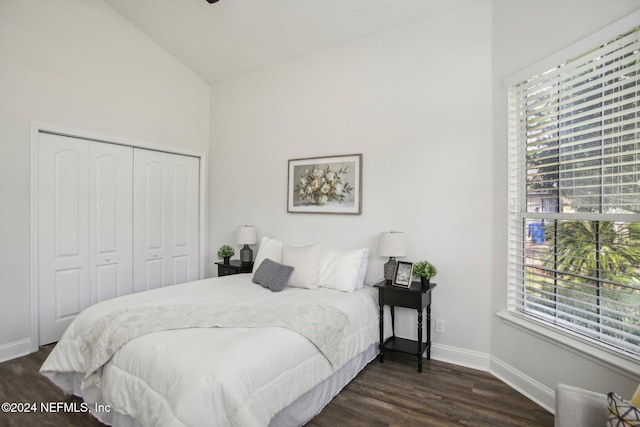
574	195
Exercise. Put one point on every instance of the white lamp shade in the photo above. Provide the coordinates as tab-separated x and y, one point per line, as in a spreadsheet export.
392	244
246	235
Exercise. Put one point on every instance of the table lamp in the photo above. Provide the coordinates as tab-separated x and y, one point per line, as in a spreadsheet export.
391	244
246	236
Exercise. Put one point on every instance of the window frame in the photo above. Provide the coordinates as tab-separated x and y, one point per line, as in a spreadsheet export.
517	212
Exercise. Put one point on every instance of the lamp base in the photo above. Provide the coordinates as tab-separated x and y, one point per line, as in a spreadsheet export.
389	269
246	254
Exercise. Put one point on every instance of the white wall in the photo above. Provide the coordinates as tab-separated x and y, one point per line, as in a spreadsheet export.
415	101
520	40
425	105
77	64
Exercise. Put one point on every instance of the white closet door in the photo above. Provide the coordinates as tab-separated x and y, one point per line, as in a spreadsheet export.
84	228
111	221
110	216
63	238
165	219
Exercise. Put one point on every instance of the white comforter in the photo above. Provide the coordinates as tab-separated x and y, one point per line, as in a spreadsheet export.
212	376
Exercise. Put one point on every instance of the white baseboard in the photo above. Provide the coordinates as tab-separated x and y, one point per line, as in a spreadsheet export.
15	349
532	389
461	356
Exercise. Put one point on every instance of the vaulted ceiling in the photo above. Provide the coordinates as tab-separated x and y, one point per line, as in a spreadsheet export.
232	37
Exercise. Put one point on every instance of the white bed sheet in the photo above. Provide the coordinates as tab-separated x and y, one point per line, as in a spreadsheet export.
213	376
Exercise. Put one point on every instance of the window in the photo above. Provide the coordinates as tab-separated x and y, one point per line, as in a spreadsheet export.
574	195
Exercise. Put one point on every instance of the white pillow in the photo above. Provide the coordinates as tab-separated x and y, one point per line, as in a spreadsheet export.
343	270
305	261
363	268
269	248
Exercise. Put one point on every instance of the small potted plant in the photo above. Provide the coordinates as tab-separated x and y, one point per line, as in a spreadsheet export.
425	271
225	252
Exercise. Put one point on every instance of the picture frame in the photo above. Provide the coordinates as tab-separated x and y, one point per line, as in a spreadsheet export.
326	185
403	275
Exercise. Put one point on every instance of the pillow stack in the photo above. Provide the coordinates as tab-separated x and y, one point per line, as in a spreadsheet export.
312	265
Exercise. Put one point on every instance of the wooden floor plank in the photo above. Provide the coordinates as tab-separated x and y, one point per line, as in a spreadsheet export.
389	394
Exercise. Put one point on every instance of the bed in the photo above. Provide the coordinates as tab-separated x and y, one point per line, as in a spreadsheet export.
222	351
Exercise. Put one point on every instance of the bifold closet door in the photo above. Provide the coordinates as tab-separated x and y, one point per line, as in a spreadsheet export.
84	224
111	202
165	219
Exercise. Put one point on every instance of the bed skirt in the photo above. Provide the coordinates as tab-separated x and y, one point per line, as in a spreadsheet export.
311	403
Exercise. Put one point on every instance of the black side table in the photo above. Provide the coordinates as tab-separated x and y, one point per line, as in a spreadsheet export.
235	266
416	296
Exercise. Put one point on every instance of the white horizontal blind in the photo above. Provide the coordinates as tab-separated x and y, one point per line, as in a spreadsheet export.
574	195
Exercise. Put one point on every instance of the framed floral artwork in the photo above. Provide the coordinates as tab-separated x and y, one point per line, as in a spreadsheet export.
331	184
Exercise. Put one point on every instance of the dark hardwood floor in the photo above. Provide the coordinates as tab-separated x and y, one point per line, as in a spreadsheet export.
389	394
393	393
20	382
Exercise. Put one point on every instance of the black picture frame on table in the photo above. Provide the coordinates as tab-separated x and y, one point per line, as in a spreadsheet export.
403	274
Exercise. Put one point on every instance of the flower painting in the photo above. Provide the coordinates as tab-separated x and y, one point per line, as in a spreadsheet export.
325	184
319	185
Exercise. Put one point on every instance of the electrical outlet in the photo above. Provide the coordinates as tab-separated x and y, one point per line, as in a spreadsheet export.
440	326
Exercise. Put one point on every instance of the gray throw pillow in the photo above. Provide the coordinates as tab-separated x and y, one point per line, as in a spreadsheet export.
272	275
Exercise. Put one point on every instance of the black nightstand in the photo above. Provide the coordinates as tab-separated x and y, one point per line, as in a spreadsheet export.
235	266
417	297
